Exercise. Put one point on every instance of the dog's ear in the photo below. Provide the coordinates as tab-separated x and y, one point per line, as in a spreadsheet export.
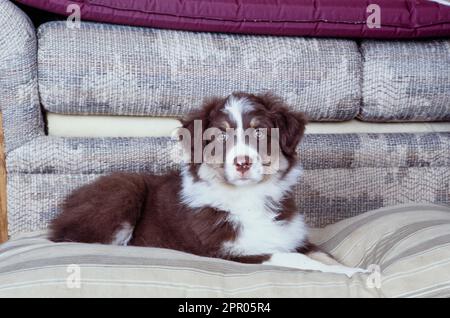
204	113
291	124
195	123
292	128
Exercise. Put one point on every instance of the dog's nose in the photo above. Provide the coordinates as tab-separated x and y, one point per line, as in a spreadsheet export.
242	163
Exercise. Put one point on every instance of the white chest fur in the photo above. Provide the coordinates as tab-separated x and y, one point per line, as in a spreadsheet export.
259	232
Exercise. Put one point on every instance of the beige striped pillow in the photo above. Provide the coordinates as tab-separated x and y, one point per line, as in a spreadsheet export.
409	243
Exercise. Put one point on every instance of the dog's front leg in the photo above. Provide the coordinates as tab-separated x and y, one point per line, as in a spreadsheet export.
302	261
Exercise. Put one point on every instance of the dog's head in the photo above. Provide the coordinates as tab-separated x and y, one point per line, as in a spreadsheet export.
242	139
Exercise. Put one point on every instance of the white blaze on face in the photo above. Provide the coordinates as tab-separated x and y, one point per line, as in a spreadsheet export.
235	108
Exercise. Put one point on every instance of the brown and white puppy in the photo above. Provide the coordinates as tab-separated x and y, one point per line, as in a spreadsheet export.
233	202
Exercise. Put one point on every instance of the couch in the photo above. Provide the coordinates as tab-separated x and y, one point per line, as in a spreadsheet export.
379	137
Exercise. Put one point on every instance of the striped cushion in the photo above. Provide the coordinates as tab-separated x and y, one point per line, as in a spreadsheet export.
410	243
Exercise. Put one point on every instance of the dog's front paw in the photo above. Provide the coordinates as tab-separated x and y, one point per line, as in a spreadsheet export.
350	271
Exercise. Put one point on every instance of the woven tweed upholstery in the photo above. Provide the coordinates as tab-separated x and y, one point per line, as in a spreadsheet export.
124	70
22	120
55	155
105	69
344	174
406	81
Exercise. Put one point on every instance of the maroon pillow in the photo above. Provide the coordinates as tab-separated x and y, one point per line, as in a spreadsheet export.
335	18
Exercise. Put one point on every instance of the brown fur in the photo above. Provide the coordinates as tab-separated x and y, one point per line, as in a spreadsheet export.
152	205
94	212
273	112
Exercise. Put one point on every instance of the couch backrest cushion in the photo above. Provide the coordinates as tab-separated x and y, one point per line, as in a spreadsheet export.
119	70
406	81
344	174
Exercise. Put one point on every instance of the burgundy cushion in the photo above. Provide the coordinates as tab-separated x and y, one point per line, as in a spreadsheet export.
336	18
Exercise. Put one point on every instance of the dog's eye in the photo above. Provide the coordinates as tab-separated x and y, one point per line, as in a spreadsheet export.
260	133
222	137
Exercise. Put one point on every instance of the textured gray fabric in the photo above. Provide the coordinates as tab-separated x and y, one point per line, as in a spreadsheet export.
110	69
156	155
336	151
19	102
324	195
345	175
406	81
52	155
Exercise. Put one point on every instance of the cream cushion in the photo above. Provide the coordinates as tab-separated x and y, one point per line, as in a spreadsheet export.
145	126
